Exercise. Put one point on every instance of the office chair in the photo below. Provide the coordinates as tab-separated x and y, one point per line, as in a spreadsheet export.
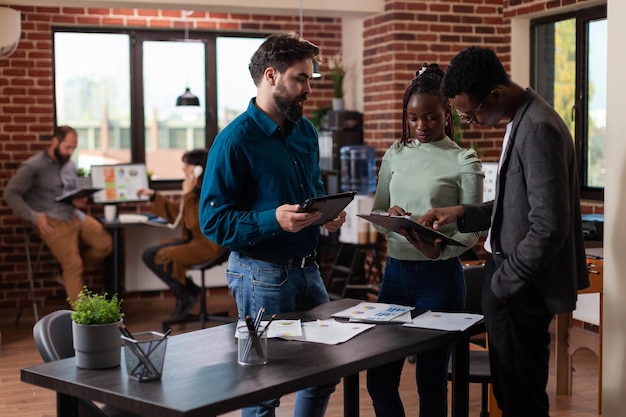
203	316
479	368
27	232
54	341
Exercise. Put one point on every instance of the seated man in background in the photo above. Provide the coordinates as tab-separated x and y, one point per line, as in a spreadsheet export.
77	240
170	259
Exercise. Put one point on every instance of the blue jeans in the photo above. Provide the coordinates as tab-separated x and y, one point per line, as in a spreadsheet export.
426	285
279	289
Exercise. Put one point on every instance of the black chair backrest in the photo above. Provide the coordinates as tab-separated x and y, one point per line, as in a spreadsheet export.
219	258
54	341
53	336
474	277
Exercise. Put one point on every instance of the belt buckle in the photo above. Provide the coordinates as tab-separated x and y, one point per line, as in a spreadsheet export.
306	258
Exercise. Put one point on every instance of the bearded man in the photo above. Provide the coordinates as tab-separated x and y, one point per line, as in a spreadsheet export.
77	240
259	168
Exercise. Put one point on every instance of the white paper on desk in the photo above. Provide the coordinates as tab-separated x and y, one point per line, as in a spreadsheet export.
330	331
278	328
444	321
373	312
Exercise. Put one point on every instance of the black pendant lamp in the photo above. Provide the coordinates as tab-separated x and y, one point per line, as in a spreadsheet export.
317	72
187	98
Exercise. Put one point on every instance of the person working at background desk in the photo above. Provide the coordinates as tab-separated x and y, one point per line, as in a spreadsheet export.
535	238
76	239
170	259
262	165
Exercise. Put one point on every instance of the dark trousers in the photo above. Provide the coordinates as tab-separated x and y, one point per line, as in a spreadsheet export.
426	285
519	350
164	274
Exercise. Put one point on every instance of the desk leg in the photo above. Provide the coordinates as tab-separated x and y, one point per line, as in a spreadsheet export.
351	395
460	378
67	406
113	265
562	358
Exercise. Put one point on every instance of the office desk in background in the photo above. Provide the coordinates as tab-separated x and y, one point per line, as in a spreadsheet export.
201	376
134	238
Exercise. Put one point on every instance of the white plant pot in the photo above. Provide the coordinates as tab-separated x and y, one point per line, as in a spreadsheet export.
337	104
97	346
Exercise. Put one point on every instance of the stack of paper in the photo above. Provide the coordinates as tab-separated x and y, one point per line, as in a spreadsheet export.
445	321
329	332
376	313
278	328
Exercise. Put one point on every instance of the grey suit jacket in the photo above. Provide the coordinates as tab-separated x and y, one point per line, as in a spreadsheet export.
536	227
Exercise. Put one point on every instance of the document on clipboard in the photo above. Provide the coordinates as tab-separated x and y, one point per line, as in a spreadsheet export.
77	193
329	205
396	223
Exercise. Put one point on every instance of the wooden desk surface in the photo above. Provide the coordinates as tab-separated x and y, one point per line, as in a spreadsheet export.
201	376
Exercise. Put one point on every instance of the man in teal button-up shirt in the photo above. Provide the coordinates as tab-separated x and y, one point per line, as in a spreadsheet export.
260	167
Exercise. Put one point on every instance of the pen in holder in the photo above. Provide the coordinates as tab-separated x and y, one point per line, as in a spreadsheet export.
144	355
252	346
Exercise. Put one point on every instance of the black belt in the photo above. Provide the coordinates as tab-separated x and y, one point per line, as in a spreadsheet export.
298	262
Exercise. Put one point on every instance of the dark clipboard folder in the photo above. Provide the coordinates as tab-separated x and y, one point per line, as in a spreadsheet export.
396	223
77	193
329	205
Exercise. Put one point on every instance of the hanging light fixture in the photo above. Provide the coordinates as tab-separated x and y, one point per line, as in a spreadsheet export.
187	98
317	73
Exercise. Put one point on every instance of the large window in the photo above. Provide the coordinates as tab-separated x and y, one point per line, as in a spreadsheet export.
569	71
119	91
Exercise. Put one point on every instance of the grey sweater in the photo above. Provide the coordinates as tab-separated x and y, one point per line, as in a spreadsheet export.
35	185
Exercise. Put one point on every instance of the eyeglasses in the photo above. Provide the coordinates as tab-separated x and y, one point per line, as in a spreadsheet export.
471	119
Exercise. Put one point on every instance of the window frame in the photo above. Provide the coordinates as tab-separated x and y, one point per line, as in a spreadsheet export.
580	110
137	120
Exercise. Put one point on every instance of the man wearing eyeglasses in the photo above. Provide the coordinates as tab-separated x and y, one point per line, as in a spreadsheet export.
537	258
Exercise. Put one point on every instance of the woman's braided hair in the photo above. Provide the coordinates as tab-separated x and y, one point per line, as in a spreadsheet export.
427	81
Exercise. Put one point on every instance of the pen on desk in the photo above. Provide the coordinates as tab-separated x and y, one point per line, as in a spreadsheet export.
248	346
253	340
249	323
125	331
258	318
267	326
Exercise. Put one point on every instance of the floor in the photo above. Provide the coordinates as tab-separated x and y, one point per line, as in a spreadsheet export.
17	350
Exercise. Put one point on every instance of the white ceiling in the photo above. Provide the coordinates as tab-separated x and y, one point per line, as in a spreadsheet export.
334	8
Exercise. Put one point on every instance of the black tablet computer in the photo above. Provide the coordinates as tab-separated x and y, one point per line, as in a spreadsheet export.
329	205
396	223
77	193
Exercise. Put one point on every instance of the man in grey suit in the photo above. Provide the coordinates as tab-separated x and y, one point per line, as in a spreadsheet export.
537	260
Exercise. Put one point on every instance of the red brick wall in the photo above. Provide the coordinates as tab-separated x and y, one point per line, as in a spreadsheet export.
396	42
26	103
410	33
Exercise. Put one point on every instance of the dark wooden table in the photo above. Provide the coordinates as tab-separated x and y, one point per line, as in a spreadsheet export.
201	376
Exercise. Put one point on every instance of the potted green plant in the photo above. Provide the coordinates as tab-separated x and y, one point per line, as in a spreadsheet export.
337	74
95	322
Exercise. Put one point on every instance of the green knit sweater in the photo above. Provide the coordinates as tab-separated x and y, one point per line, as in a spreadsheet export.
420	176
